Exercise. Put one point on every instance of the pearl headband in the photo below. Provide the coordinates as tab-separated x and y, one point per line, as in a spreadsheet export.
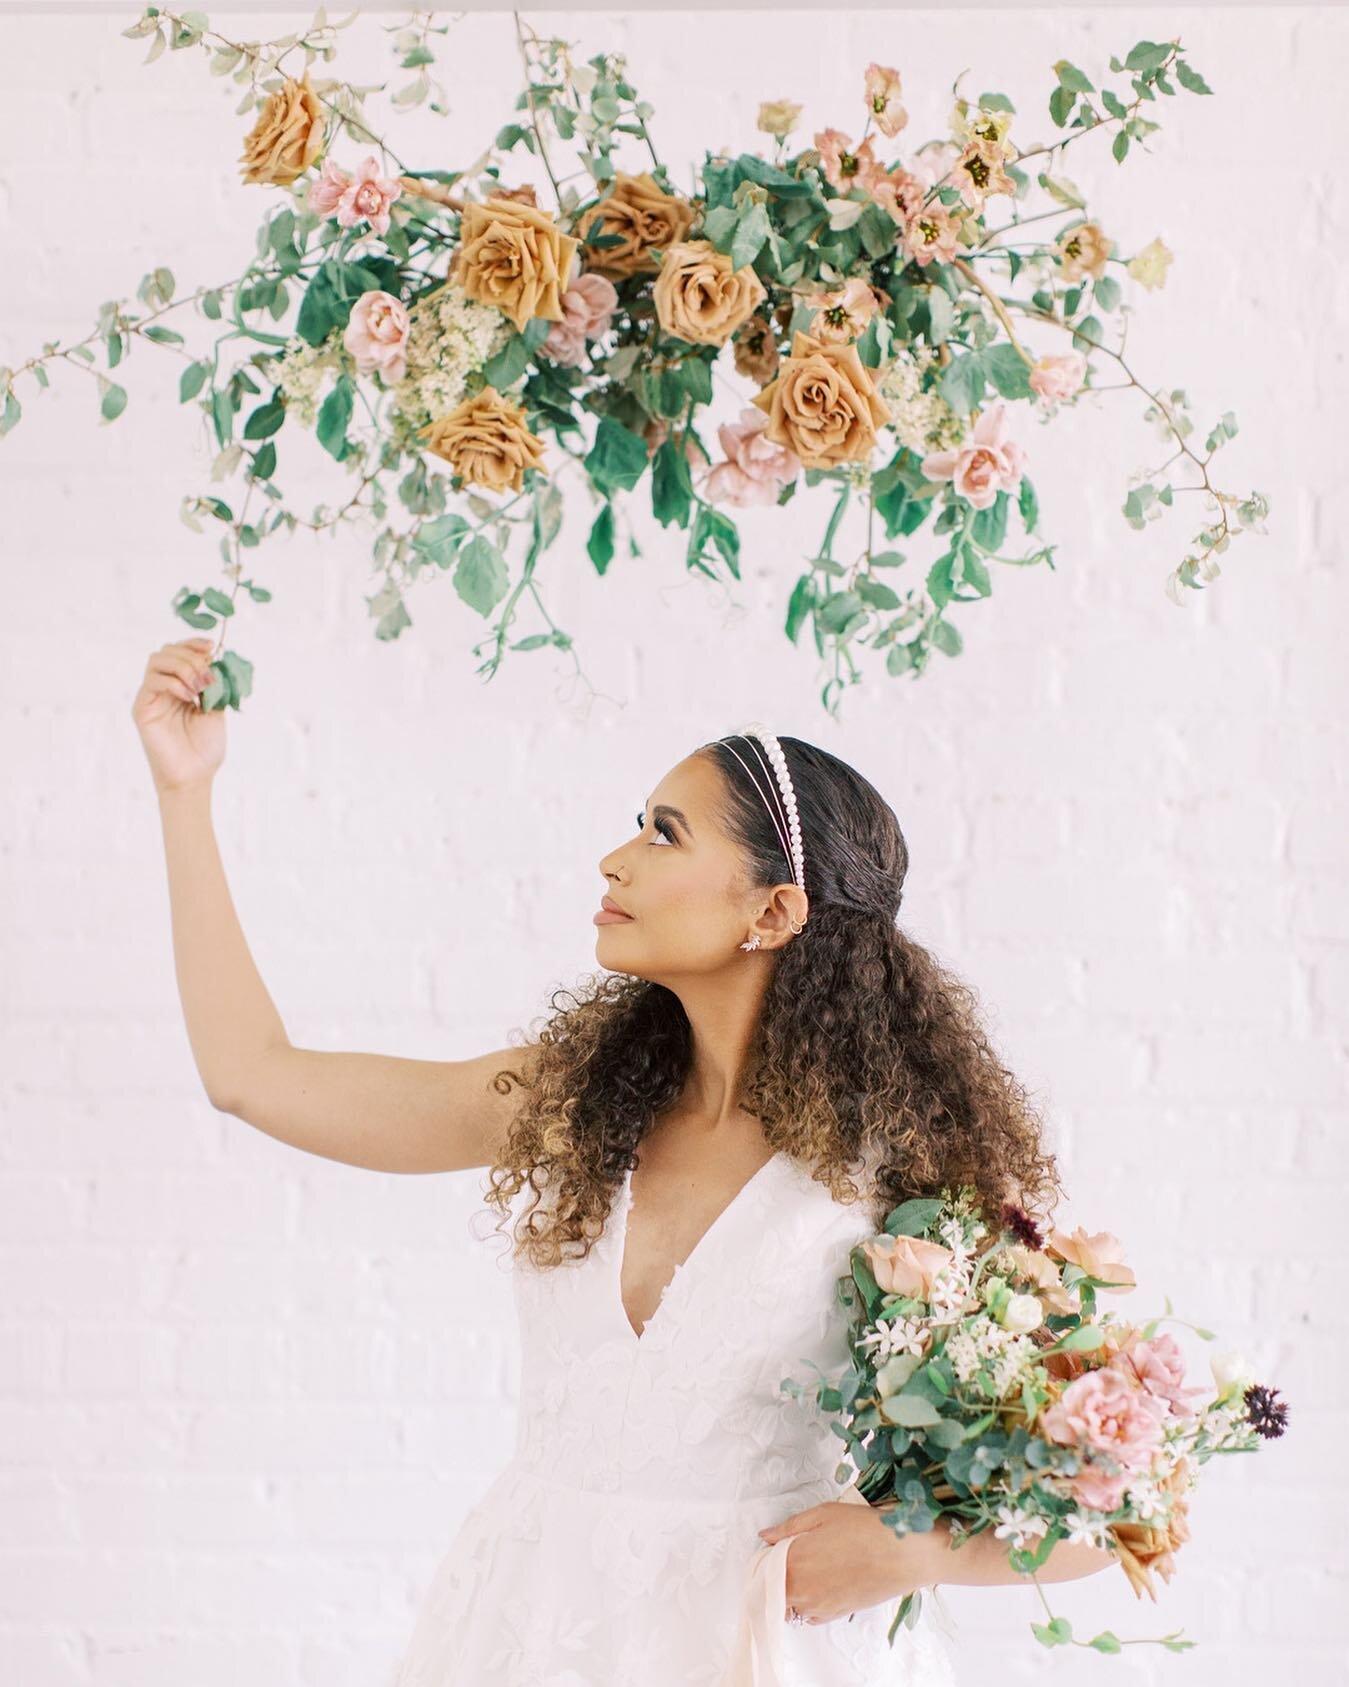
789	826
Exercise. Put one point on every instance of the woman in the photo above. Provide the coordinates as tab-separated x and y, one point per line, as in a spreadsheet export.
689	1149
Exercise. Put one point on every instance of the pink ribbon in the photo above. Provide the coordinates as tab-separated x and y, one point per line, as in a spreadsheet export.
757	1658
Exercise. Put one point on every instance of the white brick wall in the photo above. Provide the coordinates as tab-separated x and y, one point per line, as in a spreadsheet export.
245	1396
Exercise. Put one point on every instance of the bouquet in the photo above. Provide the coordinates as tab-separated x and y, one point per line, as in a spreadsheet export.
890	316
985	1387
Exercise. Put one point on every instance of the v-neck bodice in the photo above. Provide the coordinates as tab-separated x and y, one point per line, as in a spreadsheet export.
693	1405
621	1219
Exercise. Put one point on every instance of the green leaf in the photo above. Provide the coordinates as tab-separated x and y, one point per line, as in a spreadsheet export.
1106	293
947	638
1120	145
114	401
1056	1633
1105	1641
1190	79
617	458
13	410
162	336
989	527
876	593
751	231
1061	103
439	540
671	484
912	1411
222	415
265	420
799	605
509	363
1071	77
1148	55
191	380
719	226
962	382
480	578
1028	504
600	544
334	415
1005	367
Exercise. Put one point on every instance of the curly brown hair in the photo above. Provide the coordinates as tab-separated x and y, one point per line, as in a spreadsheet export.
868	1051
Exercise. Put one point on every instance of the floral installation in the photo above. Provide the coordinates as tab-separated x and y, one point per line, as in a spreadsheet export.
983	1386
892	318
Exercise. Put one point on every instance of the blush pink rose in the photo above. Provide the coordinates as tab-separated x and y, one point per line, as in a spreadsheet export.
1058	376
376	335
1158	1366
366	196
1103	1412
1099	1489
906	1265
984	464
588	305
755	470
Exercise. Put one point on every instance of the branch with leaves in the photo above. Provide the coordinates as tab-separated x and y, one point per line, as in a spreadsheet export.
458	349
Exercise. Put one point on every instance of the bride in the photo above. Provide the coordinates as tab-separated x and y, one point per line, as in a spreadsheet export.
688	1147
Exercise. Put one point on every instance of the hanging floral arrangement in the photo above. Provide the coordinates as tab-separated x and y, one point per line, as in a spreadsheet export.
893	319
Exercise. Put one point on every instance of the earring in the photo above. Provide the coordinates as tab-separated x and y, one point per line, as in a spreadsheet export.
797	930
753	942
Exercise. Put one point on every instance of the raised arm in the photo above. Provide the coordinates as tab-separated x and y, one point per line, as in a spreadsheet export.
383	1112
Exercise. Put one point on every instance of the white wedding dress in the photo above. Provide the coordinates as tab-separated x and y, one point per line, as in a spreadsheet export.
614	1548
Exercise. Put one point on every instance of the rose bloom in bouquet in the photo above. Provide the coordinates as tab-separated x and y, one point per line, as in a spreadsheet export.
984	1388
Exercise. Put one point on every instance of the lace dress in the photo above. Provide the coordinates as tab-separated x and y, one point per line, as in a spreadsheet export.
616	1545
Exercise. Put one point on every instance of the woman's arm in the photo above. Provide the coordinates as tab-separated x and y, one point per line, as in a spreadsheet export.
373	1110
981	1560
381	1112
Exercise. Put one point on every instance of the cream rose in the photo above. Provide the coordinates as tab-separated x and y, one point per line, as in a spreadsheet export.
515	257
486	442
287	137
700	298
823	405
778	117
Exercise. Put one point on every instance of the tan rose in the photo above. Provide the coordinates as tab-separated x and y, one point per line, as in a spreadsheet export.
1083	251
640	211
287	137
756	351
1145	1547
486	442
515	257
517	195
823	404
700	298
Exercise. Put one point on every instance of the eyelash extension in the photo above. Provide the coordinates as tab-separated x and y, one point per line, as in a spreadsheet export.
662	826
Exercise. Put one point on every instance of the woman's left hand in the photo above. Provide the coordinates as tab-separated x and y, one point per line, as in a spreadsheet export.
846	1559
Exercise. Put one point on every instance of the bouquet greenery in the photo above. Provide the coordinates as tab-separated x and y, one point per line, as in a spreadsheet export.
984	1388
458	348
